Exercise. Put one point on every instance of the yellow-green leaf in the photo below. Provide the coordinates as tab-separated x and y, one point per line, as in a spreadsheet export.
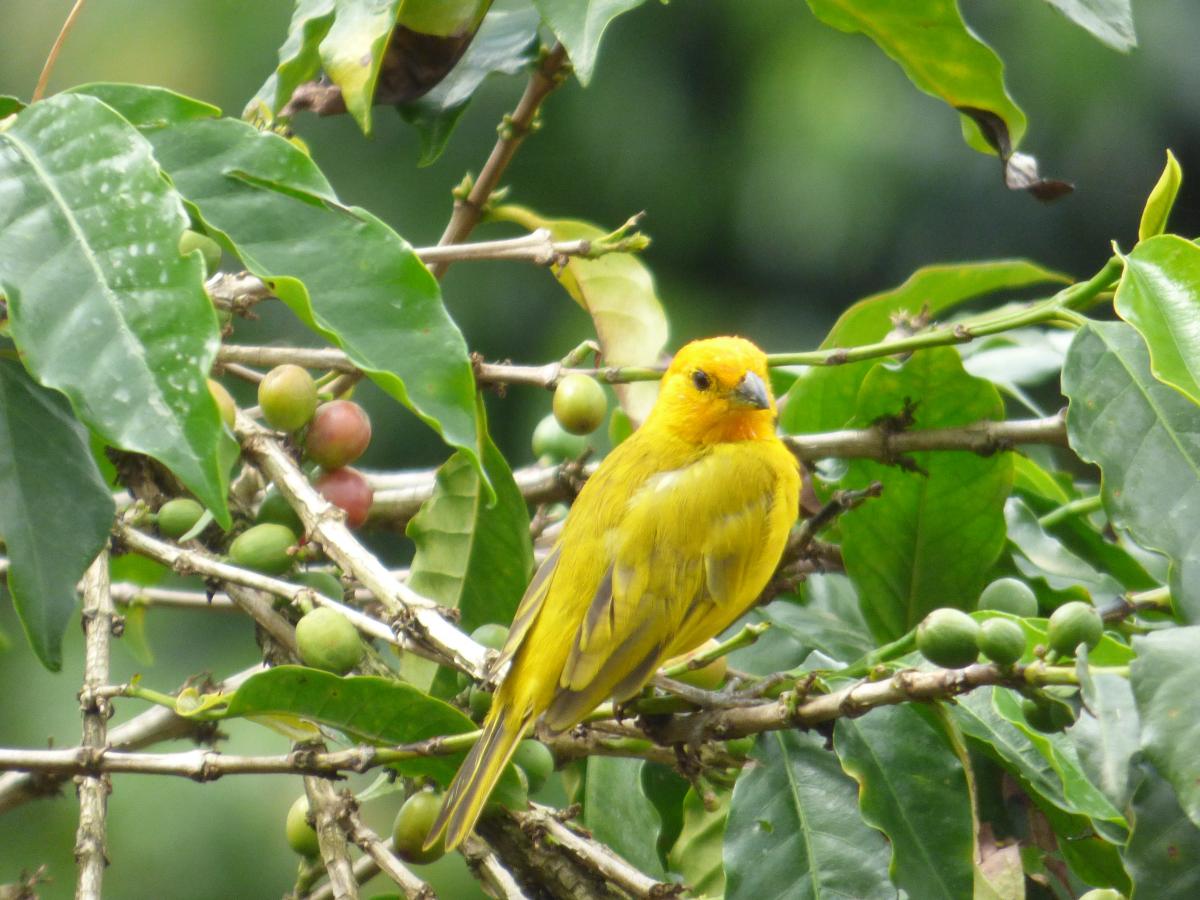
1161	199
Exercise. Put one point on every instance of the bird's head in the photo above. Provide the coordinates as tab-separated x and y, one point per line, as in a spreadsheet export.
716	390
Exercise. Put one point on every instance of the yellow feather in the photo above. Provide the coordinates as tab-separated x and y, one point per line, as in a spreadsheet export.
668	543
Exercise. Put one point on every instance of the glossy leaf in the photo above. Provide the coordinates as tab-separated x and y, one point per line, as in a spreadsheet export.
1159	295
793	833
299	57
55	509
1106	736
579	25
353	49
1151	485
929	540
146	106
823	398
1041	555
617	291
619	814
1030	478
343	272
938	53
377	711
1164	846
1161	199
697	853
503	45
80	187
912	787
1164	677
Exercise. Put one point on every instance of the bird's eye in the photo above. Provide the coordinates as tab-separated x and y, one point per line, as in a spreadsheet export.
701	380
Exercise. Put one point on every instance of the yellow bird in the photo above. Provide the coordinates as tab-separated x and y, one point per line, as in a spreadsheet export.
670	541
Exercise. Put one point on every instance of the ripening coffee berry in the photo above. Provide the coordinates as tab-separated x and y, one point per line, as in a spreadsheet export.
348	490
579	404
1073	624
1009	595
552	442
264	548
1048	716
709	677
338	435
536	761
301	836
328	641
947	638
179	516
1002	641
275	508
412	827
287	397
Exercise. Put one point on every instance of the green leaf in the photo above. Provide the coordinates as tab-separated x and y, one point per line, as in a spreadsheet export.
144	106
793	833
503	45
826	618
1164	676
55	509
912	787
1041	555
697	853
937	52
471	556
617	291
343	272
1161	199
1078	791
619	814
353	49
299	58
10	105
1106	735
1113	396
929	540
1030	478
823	398
1159	295
120	322
1164	846
579	25
373	710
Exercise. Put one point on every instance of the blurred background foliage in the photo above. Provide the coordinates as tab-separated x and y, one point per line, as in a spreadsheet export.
786	170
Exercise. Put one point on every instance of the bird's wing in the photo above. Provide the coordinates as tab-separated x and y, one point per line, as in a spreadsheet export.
688	554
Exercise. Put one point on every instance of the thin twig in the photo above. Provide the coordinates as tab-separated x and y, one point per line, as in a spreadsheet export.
415	615
486	866
90	839
595	855
467	210
368	841
51	58
323	804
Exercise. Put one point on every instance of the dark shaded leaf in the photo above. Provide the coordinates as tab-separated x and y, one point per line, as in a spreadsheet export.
119	322
823	399
912	787
929	540
343	272
619	814
1145	437
503	45
793	833
1164	676
55	509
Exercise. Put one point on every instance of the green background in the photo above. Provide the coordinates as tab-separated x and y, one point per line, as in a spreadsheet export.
786	170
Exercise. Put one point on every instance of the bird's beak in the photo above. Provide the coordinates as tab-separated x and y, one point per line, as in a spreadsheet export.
751	391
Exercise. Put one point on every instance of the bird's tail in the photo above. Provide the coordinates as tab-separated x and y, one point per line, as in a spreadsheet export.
478	774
